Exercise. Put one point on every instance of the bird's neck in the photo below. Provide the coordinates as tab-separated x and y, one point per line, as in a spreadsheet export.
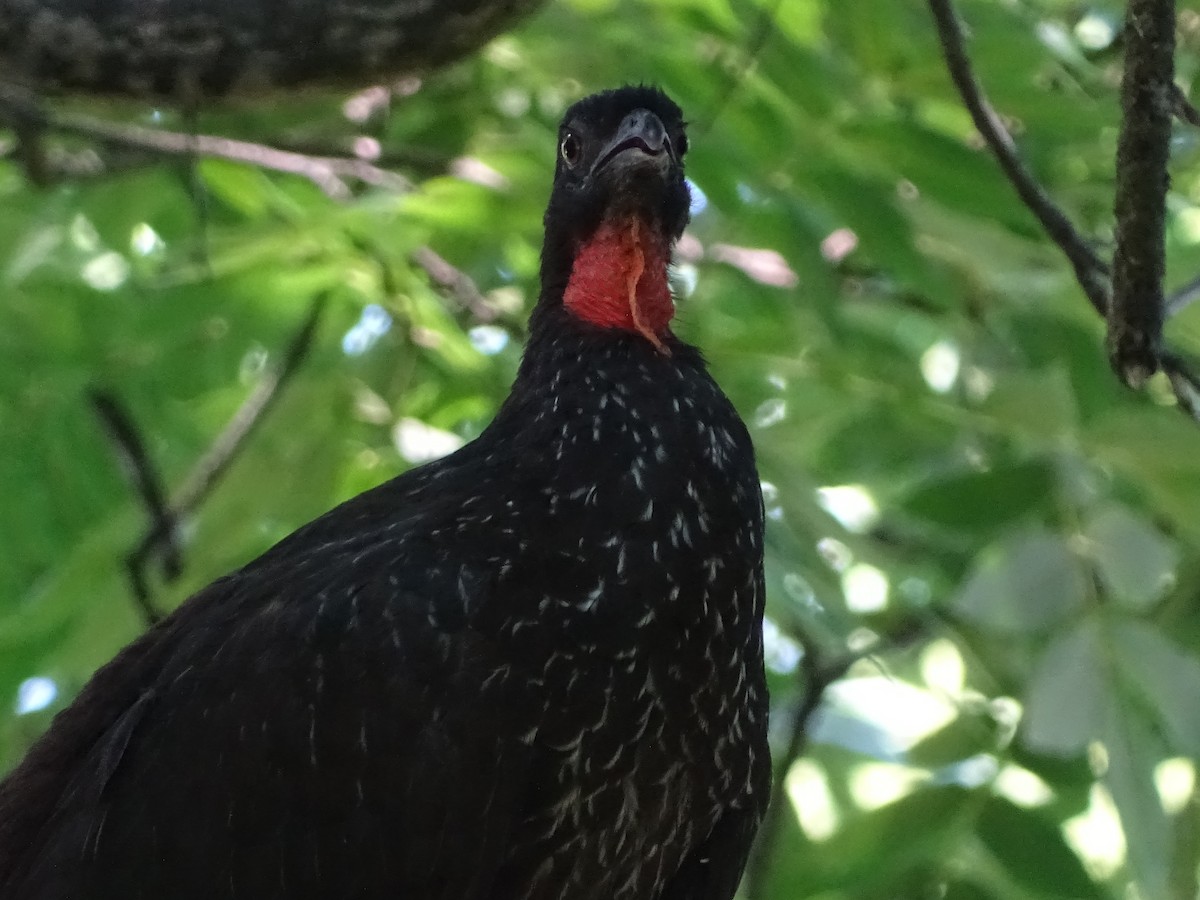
619	280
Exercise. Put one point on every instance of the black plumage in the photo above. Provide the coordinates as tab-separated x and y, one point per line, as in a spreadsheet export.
532	669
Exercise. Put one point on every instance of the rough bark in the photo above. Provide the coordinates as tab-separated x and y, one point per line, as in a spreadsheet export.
1135	318
194	49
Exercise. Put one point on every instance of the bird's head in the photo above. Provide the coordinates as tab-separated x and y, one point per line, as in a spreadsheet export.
618	205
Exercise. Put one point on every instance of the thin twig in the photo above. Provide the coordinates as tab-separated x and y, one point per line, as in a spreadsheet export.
1184	110
148	484
50	164
815	676
1135	325
423	161
220	455
1148	104
31	151
1184	383
458	285
816	679
161	539
327	172
1090	270
1182	297
760	34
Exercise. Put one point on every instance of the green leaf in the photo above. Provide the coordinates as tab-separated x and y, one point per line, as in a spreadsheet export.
1032	850
1065	707
1167	677
1040	403
1135	561
964	889
969	733
1133	752
1029	583
982	501
880	847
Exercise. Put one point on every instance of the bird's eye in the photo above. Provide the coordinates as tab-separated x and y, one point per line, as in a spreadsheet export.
570	149
681	145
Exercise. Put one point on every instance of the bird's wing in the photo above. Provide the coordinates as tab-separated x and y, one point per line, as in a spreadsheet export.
713	869
341	737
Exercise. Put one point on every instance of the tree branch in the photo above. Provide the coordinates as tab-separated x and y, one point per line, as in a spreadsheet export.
1184	383
1148	104
1184	110
1183	297
161	538
815	681
148	484
329	173
1090	270
815	676
455	283
213	48
1149	100
221	454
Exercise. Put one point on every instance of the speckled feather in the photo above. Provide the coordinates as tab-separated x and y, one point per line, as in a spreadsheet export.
532	669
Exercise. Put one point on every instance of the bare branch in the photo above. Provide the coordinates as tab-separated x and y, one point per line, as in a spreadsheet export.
1090	270
1184	110
327	172
759	36
1183	297
1149	100
815	679
161	539
147	483
1184	383
221	454
423	161
1148	104
815	676
456	283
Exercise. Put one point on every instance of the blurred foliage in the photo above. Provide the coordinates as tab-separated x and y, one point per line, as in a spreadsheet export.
954	479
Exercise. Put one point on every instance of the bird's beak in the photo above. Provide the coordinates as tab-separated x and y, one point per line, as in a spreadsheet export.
641	140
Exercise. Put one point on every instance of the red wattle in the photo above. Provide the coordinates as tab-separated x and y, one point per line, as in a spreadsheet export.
602	288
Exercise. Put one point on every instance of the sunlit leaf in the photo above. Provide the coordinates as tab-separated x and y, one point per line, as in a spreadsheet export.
1133	752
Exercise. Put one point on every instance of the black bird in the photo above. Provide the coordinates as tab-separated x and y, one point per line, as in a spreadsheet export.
530	670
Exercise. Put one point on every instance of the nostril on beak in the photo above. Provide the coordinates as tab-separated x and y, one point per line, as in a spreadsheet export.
647	126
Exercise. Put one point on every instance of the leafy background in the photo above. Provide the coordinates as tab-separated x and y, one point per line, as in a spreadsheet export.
994	545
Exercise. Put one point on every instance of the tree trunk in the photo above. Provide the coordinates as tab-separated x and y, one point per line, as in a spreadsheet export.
192	49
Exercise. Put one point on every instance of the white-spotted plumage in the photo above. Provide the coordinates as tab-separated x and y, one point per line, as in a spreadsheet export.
531	669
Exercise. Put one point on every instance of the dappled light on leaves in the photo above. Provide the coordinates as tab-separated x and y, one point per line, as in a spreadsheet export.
876	784
866	588
1096	834
419	442
943	668
982	549
781	652
1023	787
1175	780
34	694
812	800
851	504
940	365
373	324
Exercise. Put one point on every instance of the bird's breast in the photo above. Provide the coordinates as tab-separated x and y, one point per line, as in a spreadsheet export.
630	607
